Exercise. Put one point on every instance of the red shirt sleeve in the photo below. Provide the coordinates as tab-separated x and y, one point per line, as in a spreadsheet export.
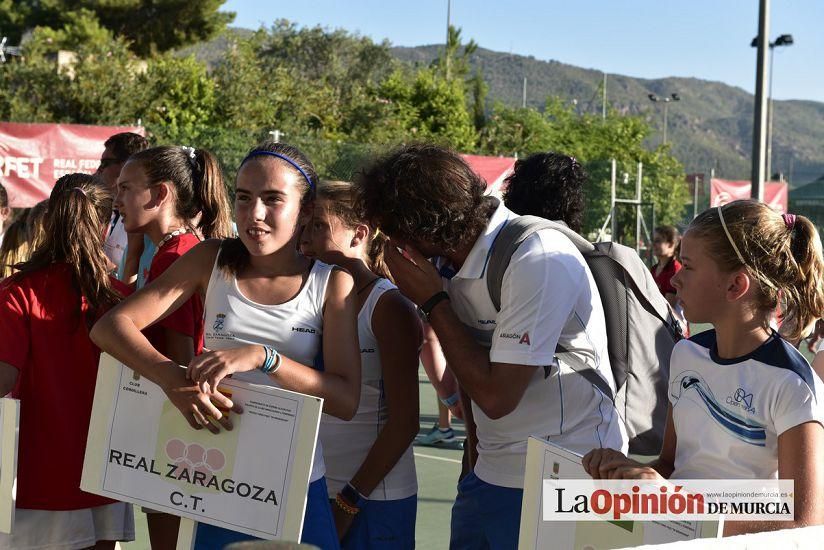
14	325
121	287
184	318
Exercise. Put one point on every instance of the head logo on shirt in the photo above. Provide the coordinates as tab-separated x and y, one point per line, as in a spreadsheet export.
219	319
691	386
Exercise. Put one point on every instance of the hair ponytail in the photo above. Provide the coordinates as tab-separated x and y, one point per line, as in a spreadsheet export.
198	182
341	203
78	213
377	247
805	299
210	197
782	253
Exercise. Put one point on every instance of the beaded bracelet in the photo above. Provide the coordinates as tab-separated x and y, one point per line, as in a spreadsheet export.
353	496
345	506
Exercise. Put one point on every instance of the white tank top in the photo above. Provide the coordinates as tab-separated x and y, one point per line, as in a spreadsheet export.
346	444
293	328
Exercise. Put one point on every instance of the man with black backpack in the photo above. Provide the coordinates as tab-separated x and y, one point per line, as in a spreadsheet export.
432	206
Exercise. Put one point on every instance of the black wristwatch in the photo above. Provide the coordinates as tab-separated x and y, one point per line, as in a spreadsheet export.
425	309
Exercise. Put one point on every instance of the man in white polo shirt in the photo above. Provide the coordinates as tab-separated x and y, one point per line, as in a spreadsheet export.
432	206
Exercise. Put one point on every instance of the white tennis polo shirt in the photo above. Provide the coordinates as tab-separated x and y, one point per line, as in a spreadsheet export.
548	296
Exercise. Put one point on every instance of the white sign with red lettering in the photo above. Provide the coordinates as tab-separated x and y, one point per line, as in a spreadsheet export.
252	479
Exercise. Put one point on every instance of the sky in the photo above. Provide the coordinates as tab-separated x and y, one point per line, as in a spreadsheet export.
707	39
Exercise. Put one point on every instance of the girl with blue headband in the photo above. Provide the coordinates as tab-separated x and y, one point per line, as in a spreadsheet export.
266	309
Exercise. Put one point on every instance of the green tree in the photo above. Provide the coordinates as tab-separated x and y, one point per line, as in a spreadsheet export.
594	142
245	93
178	98
426	106
150	26
332	78
94	85
478	88
454	59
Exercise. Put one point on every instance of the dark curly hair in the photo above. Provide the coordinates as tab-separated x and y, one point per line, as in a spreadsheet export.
549	185
424	193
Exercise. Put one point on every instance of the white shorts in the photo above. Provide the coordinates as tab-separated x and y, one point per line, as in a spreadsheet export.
69	529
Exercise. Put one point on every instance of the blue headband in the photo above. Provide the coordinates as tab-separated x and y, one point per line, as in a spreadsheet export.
303	173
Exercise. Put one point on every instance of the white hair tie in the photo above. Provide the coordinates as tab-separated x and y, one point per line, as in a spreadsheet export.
190	151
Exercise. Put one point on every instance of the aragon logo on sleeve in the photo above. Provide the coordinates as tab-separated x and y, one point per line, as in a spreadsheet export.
522	338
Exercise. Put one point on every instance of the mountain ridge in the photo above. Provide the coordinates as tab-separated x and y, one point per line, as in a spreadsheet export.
709	128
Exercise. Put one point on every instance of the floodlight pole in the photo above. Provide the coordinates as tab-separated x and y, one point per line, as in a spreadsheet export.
604	102
446	44
759	134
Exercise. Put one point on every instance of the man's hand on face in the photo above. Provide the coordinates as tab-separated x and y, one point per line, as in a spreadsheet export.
415	276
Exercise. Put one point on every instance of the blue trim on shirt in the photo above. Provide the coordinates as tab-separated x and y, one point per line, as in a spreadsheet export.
491	248
775	352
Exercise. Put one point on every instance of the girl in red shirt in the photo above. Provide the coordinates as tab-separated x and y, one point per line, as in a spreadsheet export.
665	241
48	362
175	196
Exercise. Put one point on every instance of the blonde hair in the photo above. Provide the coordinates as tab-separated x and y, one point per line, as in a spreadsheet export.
15	247
340	197
781	253
36	223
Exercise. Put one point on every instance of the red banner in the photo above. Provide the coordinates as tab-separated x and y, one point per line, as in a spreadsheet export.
723	191
493	170
34	156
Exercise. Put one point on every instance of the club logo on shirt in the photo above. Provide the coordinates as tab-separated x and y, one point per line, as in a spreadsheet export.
741	399
219	319
303	329
691	386
522	338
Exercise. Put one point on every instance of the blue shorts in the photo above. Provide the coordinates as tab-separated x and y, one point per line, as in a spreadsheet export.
383	524
318	525
485	516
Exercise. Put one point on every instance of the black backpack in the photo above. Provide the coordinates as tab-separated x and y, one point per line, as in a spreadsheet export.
641	329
